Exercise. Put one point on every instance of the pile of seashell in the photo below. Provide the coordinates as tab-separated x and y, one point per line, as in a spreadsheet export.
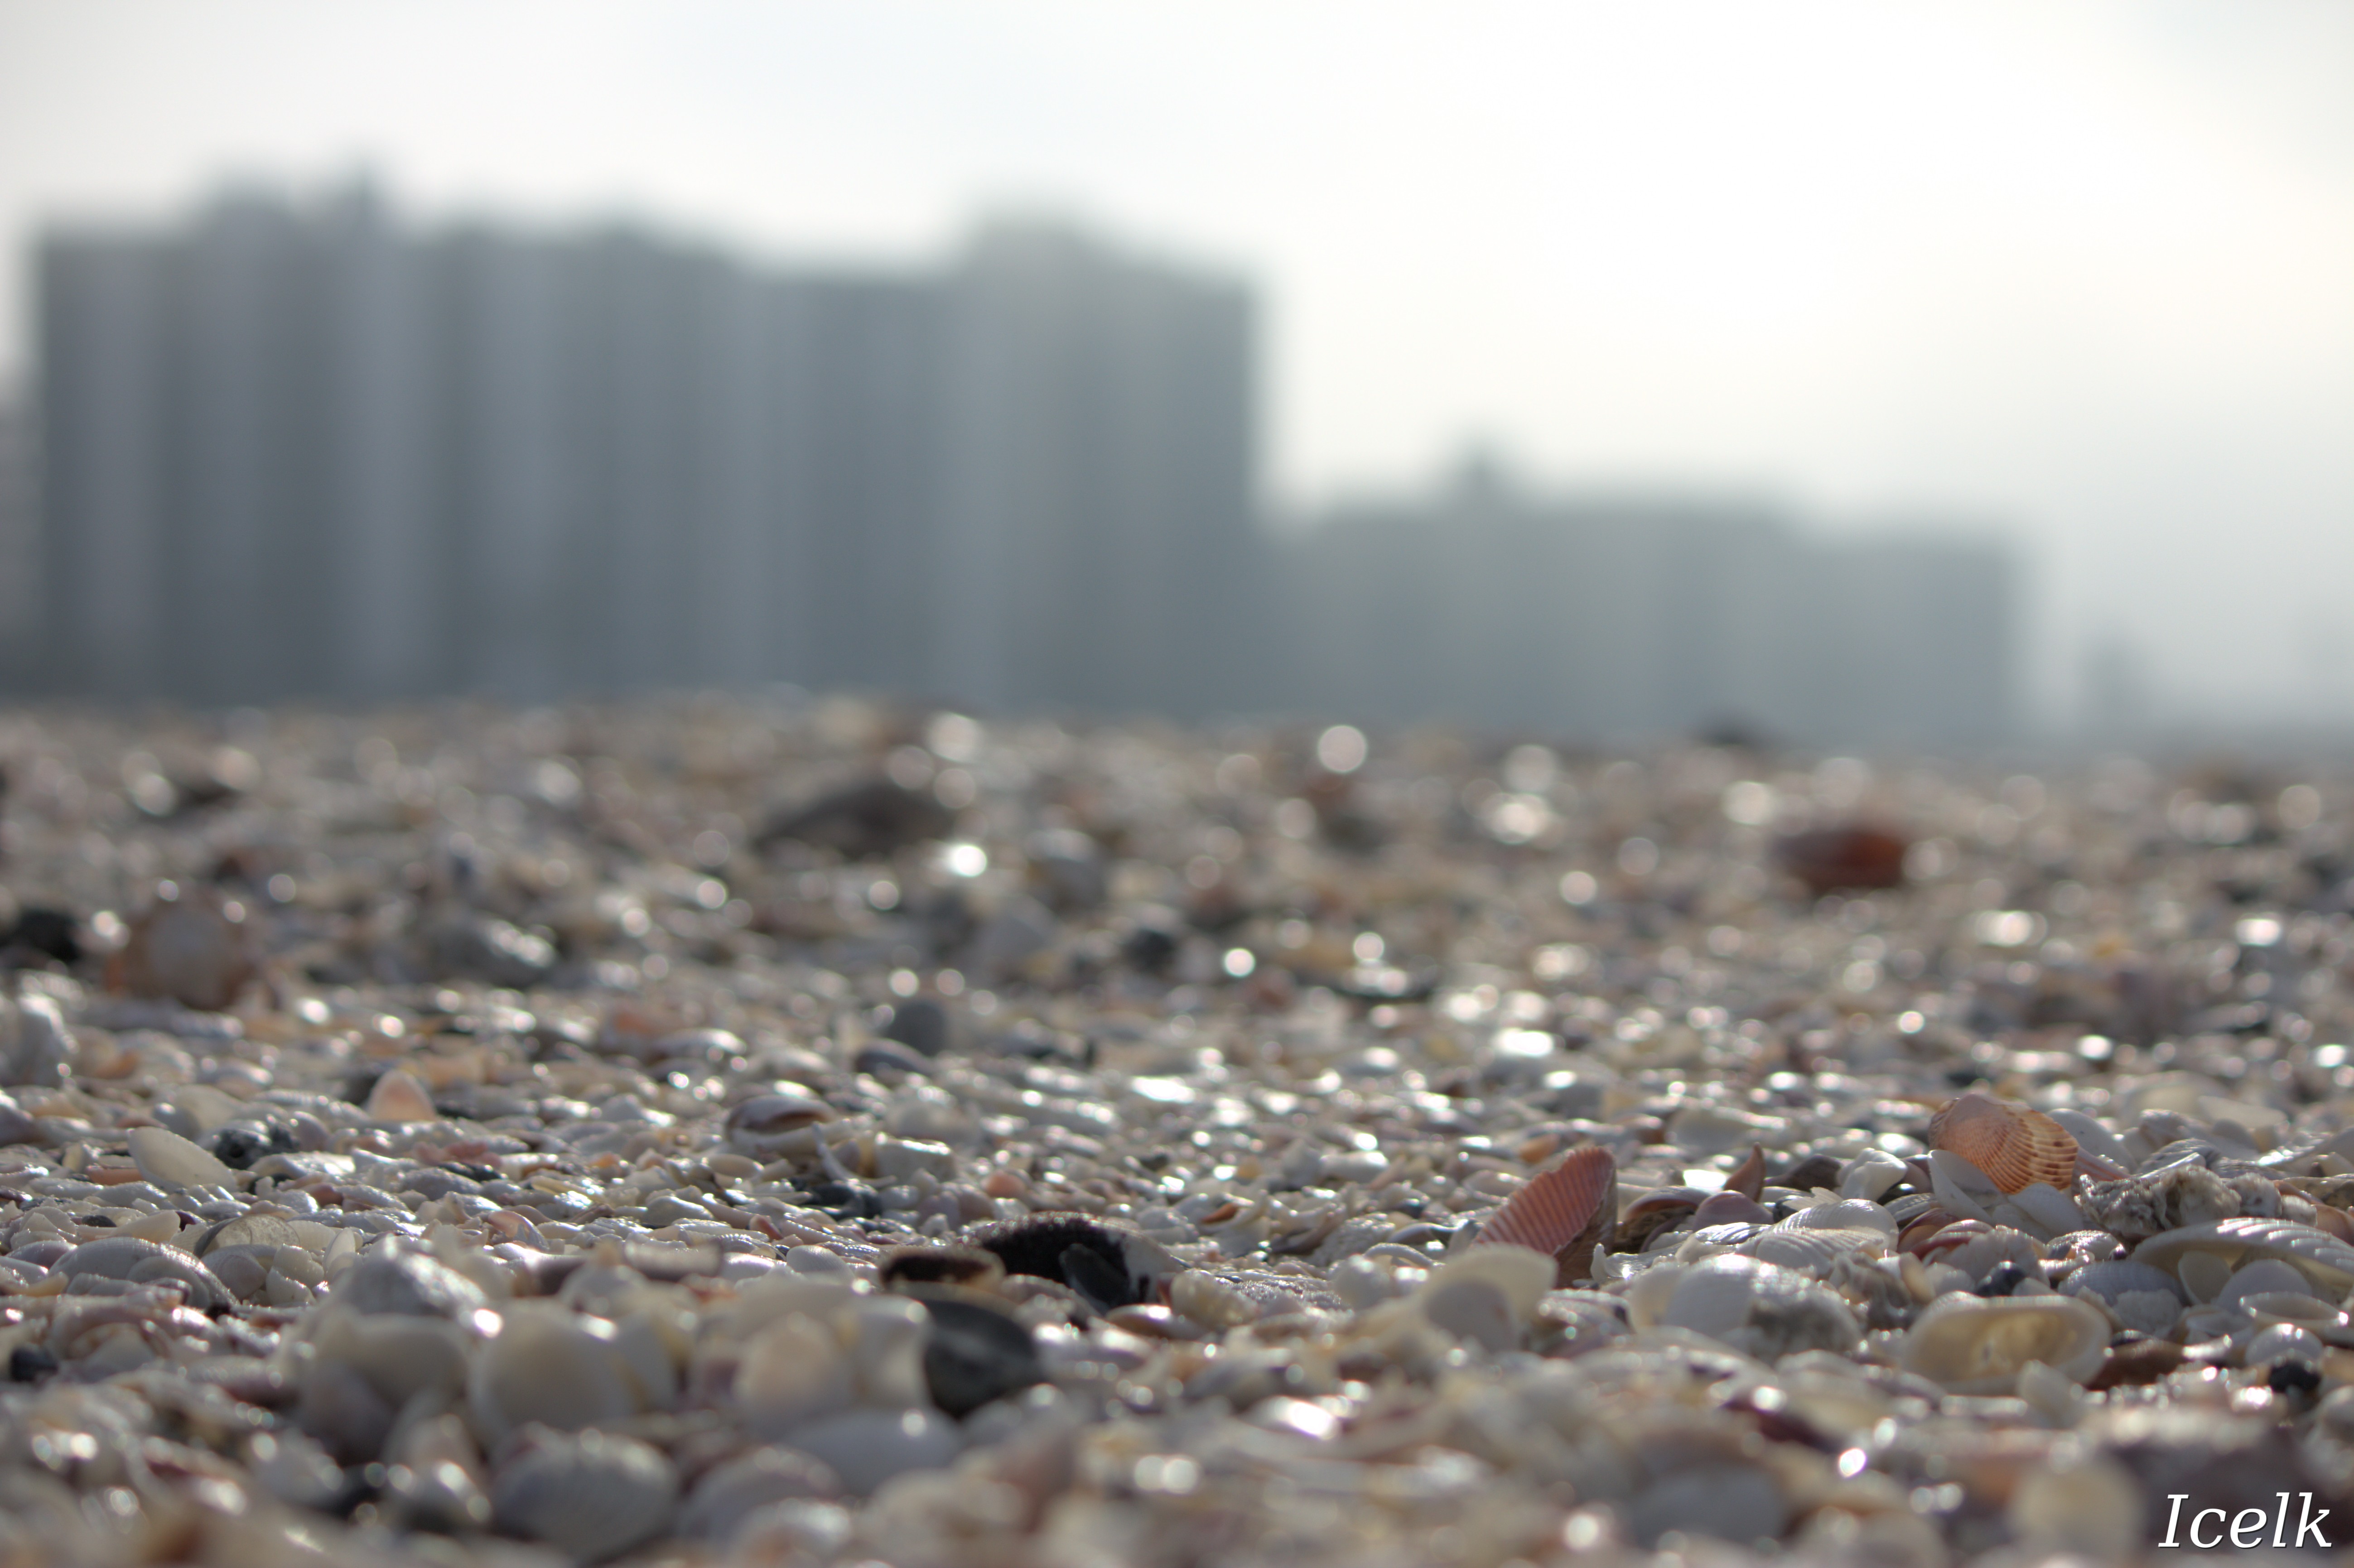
770	1134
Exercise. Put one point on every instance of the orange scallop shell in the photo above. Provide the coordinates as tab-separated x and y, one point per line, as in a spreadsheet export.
1563	1212
2015	1147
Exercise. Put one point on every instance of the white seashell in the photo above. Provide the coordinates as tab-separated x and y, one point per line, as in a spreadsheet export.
729	1494
1473	1310
1732	1502
1521	1275
2090	1509
1870	1174
400	1356
2280	1342
2051	1394
2201	1324
2121	1276
556	1368
793	1371
170	1160
1650	1292
1760	1308
887	1335
1848	1214
2324	1260
591	1497
2048	1211
1811	1250
2264	1276
2090	1136
1962	1189
1969	1345
1980	1255
867	1447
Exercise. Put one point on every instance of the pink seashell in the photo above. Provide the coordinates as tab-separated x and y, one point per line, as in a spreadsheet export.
2015	1147
1563	1212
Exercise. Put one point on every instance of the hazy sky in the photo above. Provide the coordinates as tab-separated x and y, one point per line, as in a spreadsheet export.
2086	271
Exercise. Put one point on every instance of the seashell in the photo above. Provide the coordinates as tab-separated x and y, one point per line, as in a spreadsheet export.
2280	1342
36	1048
394	1278
866	1447
554	1368
1961	1188
1967	1344
1811	1249
1520	1275
2094	1142
2110	1280
1738	1503
1870	1175
2013	1145
978	1351
1474	1310
1981	1253
2266	1275
399	1098
792	1370
1748	1178
2045	1210
767	1125
2324	1260
194	949
2185	1193
1855	856
731	1492
1730	1208
170	1160
1562	1213
136	1260
591	1497
398	1357
1759	1308
1108	1266
1847	1215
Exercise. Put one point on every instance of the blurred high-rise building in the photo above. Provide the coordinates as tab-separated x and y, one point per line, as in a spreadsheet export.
1620	618
302	451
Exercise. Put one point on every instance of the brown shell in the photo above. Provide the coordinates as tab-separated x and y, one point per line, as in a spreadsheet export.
196	950
1563	1212
2015	1147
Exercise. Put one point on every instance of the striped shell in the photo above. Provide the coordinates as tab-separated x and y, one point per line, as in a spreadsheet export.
2321	1258
2013	1145
1562	1213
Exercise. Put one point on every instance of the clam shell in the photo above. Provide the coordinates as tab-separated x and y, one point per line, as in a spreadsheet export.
2266	1275
2110	1280
1562	1213
591	1497
2324	1260
2013	1145
1848	1214
1969	1345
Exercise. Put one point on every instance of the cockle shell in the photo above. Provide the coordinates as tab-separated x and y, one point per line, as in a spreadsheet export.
1966	1344
1561	1213
2321	1258
2013	1145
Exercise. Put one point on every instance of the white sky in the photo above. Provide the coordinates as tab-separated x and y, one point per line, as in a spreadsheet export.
2086	270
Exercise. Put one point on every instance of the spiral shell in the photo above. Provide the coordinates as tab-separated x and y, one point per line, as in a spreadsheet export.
2014	1146
1562	1213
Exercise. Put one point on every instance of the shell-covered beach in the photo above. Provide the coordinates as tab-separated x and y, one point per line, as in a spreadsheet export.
784	1132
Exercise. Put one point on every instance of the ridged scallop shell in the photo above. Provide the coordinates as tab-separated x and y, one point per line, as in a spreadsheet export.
1812	1248
1562	1213
1969	1345
2013	1145
2321	1258
591	1497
